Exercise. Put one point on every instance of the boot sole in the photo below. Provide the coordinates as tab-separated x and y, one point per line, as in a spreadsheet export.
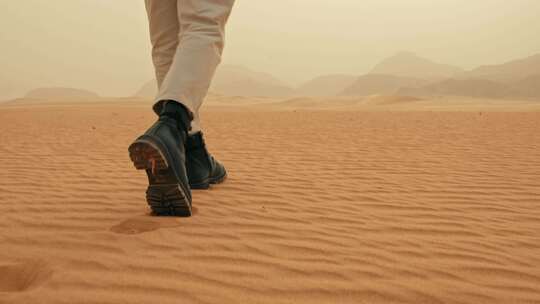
164	195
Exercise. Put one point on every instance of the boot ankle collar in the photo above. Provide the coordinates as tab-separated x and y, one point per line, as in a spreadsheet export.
177	111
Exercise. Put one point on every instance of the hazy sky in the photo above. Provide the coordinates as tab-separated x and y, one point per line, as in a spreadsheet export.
102	45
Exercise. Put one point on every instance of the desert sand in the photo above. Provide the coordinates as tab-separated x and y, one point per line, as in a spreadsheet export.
346	200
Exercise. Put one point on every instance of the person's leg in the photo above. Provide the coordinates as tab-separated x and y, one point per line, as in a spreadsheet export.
164	34
186	54
161	150
201	42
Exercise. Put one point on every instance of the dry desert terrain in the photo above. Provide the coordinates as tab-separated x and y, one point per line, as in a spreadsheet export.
373	200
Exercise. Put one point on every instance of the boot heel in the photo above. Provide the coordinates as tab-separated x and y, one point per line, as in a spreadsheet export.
168	200
145	156
164	195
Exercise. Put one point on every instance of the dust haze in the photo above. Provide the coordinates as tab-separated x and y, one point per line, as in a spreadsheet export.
103	46
378	151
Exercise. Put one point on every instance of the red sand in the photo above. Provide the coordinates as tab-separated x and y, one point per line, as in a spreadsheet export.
320	207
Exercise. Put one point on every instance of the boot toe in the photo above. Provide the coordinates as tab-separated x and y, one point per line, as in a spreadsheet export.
219	173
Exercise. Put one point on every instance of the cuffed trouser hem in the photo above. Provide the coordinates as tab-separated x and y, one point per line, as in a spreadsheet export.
196	121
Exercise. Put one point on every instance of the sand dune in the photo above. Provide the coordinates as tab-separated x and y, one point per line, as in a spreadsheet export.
528	88
327	85
378	102
370	102
321	207
380	84
461	87
60	93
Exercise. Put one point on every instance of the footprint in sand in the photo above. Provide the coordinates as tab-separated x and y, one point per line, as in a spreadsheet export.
136	225
146	223
23	276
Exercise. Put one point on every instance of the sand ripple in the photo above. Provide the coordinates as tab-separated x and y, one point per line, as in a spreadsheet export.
320	207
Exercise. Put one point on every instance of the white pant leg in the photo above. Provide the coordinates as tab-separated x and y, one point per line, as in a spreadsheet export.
164	34
198	53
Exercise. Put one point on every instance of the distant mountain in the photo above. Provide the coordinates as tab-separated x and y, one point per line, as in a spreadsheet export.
515	79
372	84
407	64
507	72
60	93
527	88
461	87
235	80
148	90
404	73
327	85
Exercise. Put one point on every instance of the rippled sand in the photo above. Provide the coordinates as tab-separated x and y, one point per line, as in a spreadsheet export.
320	207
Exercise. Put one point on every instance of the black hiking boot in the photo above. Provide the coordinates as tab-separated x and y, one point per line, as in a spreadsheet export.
202	168
161	152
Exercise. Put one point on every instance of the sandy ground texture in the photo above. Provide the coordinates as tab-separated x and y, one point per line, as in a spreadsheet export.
322	206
